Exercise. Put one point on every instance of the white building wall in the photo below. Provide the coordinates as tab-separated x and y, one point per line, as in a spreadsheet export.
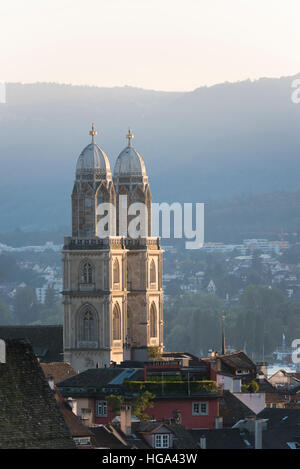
255	401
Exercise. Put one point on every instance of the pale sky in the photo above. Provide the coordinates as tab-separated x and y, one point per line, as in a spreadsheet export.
154	44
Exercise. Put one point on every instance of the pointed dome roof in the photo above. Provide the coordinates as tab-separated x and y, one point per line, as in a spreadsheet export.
129	162
93	160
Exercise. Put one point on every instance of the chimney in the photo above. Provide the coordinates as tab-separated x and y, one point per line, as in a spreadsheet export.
262	368
125	418
258	434
219	422
177	416
203	442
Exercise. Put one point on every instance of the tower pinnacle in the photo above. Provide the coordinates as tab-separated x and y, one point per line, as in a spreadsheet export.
93	132
129	136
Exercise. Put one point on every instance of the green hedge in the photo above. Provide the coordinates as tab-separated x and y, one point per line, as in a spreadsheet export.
166	379
169	387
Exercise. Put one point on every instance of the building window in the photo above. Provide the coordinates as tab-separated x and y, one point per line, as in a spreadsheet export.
152	272
116	323
116	273
162	440
88	326
101	409
153	321
87	273
200	408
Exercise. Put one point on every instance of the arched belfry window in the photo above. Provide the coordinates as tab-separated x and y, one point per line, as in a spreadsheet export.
87	273
88	326
153	321
152	272
116	323
116	272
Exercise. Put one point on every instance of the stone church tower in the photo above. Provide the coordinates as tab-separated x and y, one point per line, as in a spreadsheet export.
112	285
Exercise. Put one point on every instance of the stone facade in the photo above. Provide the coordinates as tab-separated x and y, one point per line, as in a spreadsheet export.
112	286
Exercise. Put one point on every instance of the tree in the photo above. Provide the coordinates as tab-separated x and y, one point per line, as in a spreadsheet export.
139	404
154	352
252	387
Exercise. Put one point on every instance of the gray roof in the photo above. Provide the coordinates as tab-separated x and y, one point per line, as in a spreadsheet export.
129	163
29	414
97	381
280	417
182	438
232	409
283	428
222	438
105	436
96	377
93	160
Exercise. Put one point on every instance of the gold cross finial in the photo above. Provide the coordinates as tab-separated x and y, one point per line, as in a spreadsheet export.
93	132
129	136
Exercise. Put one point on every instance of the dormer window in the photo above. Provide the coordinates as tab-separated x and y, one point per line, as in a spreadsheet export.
162	440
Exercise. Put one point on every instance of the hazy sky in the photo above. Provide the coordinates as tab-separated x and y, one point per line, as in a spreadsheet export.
155	44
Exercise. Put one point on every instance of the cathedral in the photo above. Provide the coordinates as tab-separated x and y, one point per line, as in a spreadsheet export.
112	285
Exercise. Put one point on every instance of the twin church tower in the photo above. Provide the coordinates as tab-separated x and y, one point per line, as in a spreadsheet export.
112	285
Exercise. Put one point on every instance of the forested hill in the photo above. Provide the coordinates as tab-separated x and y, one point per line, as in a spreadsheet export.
214	142
273	216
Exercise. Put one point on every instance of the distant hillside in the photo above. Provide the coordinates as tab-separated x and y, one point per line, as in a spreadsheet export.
273	216
210	144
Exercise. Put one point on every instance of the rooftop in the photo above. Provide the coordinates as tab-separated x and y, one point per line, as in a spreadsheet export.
47	341
29	414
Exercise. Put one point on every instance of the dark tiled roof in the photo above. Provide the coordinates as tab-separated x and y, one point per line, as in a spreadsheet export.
277	439
58	370
237	361
280	417
232	409
47	341
106	436
182	438
29	414
223	438
283	427
94	377
75	426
